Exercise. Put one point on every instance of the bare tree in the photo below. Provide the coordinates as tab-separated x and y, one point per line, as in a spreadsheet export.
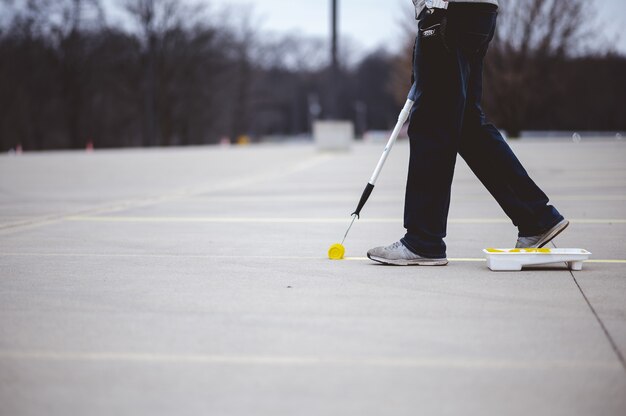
154	19
76	18
182	57
521	69
57	27
400	81
180	76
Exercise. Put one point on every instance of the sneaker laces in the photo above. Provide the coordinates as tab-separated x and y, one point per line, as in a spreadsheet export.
396	245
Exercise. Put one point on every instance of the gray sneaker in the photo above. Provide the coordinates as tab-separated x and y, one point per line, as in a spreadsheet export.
398	255
538	241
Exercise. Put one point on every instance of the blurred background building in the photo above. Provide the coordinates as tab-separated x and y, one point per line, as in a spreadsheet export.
113	73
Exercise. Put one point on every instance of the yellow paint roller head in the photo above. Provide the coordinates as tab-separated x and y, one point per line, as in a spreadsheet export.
336	252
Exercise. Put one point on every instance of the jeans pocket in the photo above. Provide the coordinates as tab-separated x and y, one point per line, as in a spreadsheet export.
432	33
473	30
472	42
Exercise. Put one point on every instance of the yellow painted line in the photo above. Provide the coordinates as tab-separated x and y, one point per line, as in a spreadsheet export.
211	219
260	257
186	192
165	256
307	361
326	198
467	259
577	183
606	261
450	259
597	221
286	220
478	259
584	198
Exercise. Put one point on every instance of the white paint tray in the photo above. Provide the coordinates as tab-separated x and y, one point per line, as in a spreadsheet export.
513	259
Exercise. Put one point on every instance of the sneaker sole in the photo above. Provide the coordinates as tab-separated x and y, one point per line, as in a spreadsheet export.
558	229
417	262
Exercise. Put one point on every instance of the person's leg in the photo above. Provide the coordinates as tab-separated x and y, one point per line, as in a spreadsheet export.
496	166
441	77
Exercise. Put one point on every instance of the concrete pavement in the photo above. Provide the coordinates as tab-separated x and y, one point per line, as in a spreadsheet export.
194	280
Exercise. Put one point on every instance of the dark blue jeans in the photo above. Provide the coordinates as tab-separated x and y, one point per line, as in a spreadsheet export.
447	119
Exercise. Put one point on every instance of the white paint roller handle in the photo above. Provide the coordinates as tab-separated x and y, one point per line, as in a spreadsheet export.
404	115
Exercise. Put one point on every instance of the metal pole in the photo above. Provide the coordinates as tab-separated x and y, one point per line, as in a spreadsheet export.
334	69
334	34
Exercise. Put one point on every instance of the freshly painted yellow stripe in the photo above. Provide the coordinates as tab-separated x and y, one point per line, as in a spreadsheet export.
165	256
597	221
332	198
186	192
209	219
207	256
277	360
606	261
262	220
467	259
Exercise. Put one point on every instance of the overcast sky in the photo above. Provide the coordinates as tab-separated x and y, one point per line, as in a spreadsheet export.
371	23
